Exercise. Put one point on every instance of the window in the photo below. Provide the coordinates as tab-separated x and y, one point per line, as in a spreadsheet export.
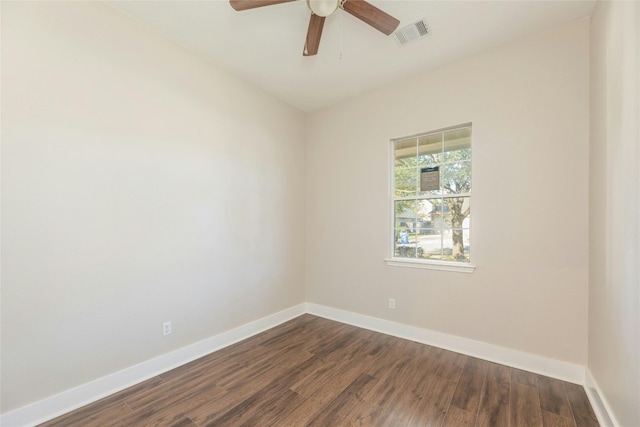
431	186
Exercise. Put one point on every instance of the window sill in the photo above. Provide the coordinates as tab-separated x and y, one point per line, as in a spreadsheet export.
459	267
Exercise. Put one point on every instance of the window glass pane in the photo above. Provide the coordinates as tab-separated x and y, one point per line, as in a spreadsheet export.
431	244
409	250
456	212
406	215
455	235
454	245
406	181
457	145
456	177
407	244
405	149
407	225
429	150
466	238
423	209
433	213
447	246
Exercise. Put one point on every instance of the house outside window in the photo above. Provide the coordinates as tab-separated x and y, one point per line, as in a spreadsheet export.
431	198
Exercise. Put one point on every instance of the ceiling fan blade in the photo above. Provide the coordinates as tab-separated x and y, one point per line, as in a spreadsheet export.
370	14
252	4
316	23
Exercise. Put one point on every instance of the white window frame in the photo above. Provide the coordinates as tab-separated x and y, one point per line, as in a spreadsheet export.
392	260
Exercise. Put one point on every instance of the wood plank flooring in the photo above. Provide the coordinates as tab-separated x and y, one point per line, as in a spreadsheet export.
312	371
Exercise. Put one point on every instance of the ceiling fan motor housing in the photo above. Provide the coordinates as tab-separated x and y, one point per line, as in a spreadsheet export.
323	7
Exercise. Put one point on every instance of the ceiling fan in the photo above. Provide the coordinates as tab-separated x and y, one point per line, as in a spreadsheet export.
320	9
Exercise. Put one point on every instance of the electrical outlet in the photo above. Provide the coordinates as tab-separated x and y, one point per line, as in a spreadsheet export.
392	303
166	328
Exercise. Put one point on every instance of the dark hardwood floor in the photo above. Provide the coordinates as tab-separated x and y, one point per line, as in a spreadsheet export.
315	372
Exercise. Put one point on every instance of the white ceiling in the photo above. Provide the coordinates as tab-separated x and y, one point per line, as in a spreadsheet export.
264	45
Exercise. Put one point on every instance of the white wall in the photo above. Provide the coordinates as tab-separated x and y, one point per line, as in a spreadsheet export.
529	104
140	184
614	274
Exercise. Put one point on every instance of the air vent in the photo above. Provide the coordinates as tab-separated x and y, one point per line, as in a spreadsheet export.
412	32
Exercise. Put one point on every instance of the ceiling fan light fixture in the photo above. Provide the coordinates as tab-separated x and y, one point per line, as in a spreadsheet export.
323	7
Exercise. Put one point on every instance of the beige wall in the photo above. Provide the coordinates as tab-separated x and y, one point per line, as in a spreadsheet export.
140	184
614	279
529	104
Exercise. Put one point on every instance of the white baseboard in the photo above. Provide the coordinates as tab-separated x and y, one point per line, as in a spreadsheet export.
598	402
54	406
529	362
69	400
